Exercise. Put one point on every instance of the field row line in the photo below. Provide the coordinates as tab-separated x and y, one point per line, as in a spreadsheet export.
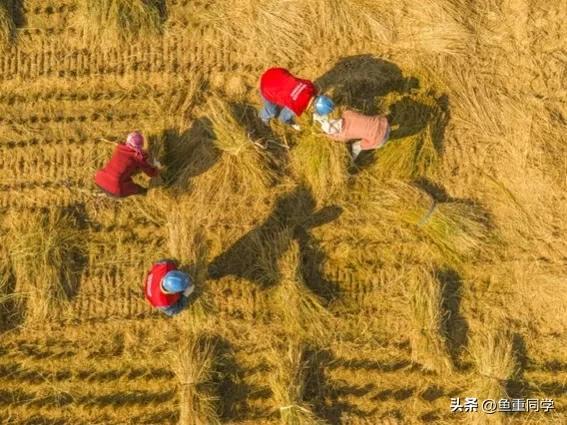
63	183
71	7
54	118
78	96
38	194
49	9
34	141
21	373
171	56
142	399
73	31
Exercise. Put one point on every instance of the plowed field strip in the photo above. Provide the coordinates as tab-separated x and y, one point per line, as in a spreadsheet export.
77	97
19	165
60	371
42	194
65	117
171	56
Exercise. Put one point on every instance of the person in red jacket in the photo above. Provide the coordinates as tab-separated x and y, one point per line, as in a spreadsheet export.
128	159
287	97
167	288
370	132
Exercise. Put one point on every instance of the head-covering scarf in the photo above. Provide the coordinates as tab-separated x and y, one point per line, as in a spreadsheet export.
135	141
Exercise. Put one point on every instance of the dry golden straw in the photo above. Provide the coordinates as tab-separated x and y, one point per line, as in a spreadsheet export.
320	162
242	171
113	22
300	310
492	353
287	382
424	297
193	365
7	25
45	251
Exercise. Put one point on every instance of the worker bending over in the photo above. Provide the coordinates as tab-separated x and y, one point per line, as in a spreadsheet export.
167	288
287	97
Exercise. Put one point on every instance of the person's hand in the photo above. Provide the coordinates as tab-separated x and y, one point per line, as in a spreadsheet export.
157	164
189	290
356	149
319	118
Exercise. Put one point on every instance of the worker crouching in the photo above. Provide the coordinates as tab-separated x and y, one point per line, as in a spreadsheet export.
368	132
128	159
288	97
167	288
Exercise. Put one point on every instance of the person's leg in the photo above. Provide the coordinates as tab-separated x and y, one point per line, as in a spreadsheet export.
133	189
176	308
142	191
107	193
287	116
269	110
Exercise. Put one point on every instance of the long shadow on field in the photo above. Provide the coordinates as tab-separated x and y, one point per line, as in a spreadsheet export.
188	154
324	395
77	258
161	6
360	82
455	325
517	387
408	117
255	255
16	10
11	314
233	392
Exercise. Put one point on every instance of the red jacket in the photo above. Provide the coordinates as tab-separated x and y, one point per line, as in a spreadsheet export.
116	176
279	86
152	288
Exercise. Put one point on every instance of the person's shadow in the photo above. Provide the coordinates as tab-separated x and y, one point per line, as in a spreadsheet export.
11	315
361	82
291	219
188	154
358	82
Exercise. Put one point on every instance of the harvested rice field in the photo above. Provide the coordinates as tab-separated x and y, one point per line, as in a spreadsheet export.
327	292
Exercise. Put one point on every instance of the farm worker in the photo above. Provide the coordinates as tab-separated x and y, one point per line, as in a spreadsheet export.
167	288
370	132
287	97
128	159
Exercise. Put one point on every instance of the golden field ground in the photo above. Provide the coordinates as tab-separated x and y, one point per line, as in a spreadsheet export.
326	293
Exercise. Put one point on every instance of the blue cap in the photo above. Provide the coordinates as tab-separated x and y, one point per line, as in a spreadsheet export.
324	105
176	281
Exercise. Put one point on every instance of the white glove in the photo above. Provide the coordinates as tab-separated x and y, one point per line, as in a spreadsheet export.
157	164
332	127
189	290
356	149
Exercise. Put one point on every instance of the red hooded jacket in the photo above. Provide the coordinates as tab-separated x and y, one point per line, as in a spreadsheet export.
152	288
279	86
116	176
